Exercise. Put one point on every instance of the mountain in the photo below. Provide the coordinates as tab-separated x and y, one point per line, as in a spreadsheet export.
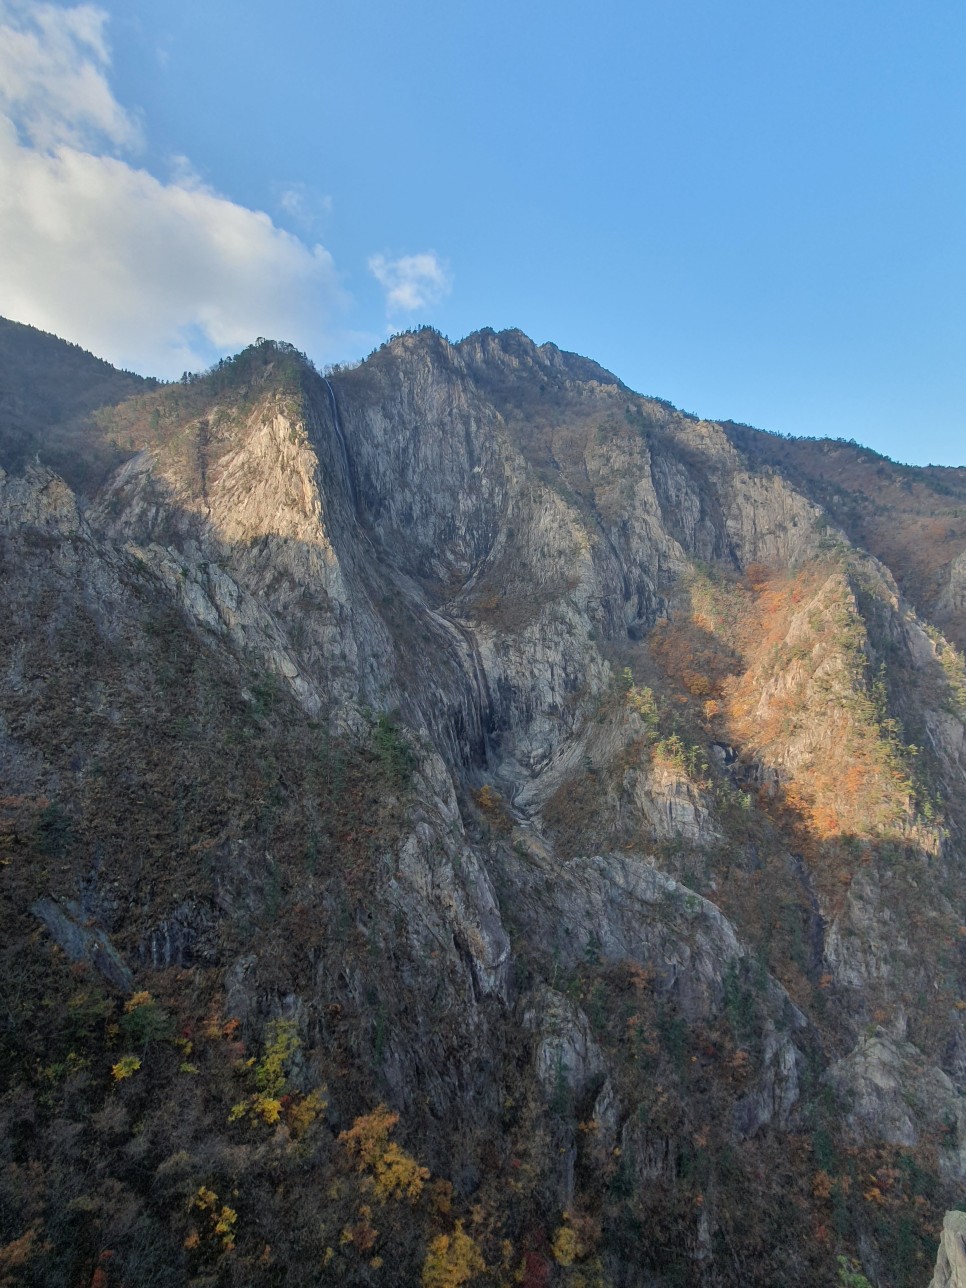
50	396
466	822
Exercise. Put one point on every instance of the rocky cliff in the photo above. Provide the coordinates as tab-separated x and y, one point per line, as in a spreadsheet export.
951	1259
467	821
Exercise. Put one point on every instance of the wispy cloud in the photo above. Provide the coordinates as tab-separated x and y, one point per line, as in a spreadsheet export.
303	205
411	282
154	275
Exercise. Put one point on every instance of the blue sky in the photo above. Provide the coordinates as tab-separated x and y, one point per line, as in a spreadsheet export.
755	210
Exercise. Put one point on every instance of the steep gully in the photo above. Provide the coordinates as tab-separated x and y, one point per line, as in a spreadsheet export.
477	672
344	451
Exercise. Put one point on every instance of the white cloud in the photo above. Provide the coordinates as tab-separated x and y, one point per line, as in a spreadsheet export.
53	83
151	275
412	281
105	254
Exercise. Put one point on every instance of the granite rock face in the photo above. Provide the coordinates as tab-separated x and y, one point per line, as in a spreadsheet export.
895	1096
951	1258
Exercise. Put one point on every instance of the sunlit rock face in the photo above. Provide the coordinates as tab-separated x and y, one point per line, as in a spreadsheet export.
951	1258
563	772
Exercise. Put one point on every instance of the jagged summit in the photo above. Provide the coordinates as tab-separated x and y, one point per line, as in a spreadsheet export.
513	345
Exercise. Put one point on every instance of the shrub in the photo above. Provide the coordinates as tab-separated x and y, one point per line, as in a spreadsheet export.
126	1067
393	1172
393	752
145	1020
272	1097
452	1259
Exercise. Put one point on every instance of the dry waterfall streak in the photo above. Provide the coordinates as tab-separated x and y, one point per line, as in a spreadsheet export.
484	701
342	444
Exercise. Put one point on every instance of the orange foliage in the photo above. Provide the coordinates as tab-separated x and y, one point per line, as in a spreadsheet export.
757	576
394	1173
494	807
452	1260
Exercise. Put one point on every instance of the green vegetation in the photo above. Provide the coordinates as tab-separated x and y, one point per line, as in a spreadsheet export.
52	392
954	668
393	753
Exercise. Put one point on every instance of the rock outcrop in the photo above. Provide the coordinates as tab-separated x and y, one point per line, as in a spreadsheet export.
951	1258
